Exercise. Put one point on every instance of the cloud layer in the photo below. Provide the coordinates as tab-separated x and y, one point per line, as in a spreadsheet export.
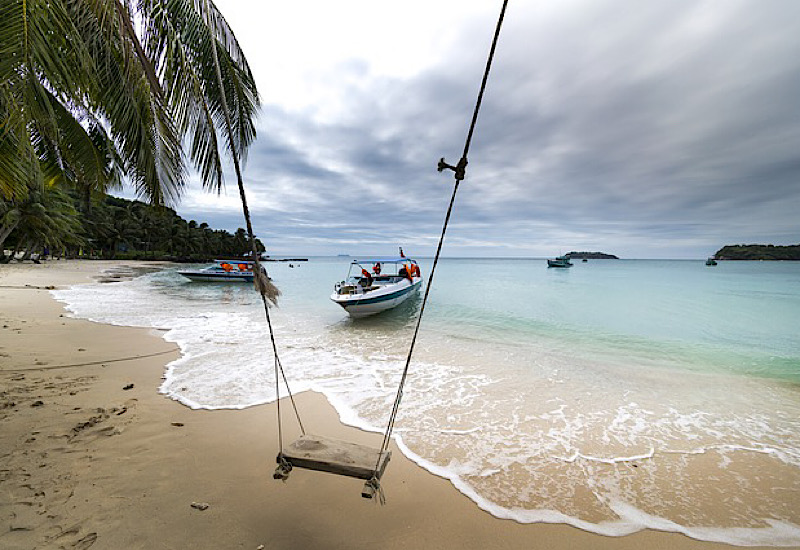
655	129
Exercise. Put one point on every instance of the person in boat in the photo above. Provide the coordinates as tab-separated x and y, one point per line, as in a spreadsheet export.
376	269
366	278
415	270
406	271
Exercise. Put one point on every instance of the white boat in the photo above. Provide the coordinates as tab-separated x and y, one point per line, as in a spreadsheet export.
222	271
375	285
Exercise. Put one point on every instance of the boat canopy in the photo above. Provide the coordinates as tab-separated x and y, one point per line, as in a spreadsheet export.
385	261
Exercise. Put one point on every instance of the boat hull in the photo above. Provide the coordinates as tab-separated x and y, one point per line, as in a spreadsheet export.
558	263
377	301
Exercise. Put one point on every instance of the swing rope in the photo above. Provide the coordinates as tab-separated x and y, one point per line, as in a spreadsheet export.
279	368
460	174
284	467
260	278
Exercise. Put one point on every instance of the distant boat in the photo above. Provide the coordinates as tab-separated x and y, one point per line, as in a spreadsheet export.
225	271
711	261
390	283
561	261
584	260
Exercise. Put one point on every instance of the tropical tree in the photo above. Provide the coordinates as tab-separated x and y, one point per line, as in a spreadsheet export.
45	218
106	88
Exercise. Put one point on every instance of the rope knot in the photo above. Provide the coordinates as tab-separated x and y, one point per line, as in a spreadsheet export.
283	469
372	488
461	169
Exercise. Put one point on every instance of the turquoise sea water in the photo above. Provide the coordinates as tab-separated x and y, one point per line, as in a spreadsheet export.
614	395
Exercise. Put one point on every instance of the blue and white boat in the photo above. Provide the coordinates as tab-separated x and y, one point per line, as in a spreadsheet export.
377	284
226	271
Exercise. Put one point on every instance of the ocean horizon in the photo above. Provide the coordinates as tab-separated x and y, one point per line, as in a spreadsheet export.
614	396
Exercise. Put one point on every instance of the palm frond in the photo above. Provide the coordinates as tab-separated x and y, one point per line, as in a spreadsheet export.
178	36
98	88
139	120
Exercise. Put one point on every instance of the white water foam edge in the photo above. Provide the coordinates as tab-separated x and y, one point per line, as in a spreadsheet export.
632	519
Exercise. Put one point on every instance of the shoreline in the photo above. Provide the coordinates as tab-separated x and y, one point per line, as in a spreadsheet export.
96	465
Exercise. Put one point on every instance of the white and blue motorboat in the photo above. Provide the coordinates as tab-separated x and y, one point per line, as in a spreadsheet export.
377	284
225	271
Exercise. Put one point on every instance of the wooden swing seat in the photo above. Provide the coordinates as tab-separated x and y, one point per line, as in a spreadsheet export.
342	458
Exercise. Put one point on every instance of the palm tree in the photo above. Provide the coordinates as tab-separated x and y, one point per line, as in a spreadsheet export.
45	218
85	89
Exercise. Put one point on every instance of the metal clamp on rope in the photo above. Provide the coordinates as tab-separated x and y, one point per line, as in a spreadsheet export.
460	169
283	469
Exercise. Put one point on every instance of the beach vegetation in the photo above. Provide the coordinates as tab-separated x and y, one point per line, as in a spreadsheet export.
758	252
116	228
99	93
590	256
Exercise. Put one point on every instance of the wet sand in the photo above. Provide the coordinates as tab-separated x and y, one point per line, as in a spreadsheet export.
92	456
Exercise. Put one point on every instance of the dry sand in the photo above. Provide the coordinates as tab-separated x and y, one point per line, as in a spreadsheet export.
85	462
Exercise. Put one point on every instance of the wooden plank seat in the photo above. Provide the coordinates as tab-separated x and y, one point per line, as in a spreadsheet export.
343	458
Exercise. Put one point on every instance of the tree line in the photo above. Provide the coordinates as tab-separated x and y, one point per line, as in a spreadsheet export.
758	252
116	228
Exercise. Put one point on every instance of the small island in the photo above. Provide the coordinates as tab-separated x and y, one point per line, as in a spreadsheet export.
590	256
758	252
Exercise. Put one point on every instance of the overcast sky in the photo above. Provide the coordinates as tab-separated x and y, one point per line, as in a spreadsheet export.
657	129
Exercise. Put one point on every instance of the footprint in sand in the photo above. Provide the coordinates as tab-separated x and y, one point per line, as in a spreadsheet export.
85	542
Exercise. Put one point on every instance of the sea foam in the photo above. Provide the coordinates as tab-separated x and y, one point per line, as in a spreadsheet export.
531	430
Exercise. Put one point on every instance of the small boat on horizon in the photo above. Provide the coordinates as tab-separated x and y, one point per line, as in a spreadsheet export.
377	284
711	261
561	261
226	271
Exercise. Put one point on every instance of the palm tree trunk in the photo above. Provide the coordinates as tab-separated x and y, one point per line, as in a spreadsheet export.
5	231
262	283
87	200
28	251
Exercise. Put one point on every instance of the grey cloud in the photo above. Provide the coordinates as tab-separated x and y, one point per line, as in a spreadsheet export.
613	123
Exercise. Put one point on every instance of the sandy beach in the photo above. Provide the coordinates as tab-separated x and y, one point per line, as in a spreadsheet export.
94	457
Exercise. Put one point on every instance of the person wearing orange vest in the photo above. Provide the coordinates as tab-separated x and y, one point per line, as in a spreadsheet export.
367	276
